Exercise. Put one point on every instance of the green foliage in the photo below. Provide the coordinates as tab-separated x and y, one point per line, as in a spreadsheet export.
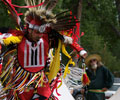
116	50
98	19
5	20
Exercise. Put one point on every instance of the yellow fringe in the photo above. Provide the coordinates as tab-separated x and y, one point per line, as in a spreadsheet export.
65	33
40	80
17	28
51	52
23	82
55	65
65	52
12	39
67	71
19	74
31	81
8	12
3	74
11	51
7	75
17	70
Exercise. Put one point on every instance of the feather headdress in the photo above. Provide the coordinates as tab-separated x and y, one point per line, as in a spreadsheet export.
40	12
60	22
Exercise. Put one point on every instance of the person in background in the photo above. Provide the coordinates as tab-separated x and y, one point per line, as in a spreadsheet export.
101	79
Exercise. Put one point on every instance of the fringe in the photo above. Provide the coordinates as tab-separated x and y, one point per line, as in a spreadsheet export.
67	71
55	65
12	40
18	81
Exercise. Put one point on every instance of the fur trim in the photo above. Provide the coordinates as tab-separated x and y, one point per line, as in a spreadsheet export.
68	40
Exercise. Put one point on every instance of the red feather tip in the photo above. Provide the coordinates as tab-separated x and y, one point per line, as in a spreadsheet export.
85	79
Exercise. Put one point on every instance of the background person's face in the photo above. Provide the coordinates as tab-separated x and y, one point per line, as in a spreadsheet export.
93	63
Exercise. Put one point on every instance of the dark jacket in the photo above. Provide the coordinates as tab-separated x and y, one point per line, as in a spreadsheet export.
102	78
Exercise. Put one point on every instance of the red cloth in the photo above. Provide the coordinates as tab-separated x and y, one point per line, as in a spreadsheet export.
25	54
76	46
44	91
26	95
36	99
0	68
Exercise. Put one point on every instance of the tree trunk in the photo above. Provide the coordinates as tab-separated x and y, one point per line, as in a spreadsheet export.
118	9
79	9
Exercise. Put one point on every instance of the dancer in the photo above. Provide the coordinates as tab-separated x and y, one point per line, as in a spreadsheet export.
26	74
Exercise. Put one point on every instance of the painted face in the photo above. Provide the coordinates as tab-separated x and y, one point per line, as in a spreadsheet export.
93	63
34	35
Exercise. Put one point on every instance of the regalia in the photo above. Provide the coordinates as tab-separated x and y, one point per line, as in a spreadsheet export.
25	72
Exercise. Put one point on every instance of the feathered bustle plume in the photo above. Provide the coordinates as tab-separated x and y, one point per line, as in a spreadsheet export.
52	5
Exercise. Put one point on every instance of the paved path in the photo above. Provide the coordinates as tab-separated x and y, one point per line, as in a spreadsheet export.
116	96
